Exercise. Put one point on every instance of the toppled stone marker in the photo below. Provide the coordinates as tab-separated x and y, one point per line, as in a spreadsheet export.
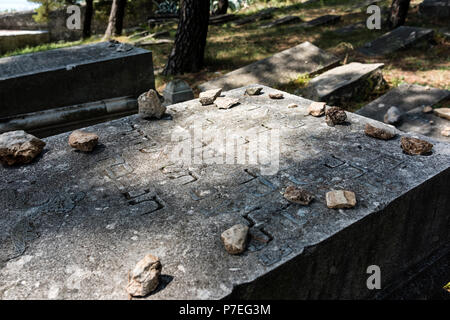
135	197
282	21
71	76
435	9
335	115
323	20
83	141
150	106
411	100
414	146
144	278
281	68
340	199
317	109
235	239
379	132
298	195
344	83
208	97
19	147
399	38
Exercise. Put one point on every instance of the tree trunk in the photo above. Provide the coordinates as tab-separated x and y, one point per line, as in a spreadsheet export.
189	49
222	7
88	18
398	13
116	16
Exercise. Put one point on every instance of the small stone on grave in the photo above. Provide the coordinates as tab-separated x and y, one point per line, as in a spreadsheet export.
414	146
335	115
316	109
442	112
446	132
340	199
393	115
83	141
177	91
427	109
379	133
298	195
253	91
292	105
144	278
150	106
276	95
226	103
235	239
208	97
19	147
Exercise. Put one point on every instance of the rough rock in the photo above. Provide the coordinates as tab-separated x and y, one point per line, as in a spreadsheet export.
19	147
226	103
276	95
208	97
442	112
144	278
335	115
83	141
316	109
253	91
292	105
427	109
414	146
235	239
298	195
446	132
340	199
379	133
393	115
150	106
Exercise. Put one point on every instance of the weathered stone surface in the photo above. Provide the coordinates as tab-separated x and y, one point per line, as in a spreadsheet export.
144	278
411	99
298	195
282	21
276	96
177	91
71	76
323	20
150	106
379	132
235	239
442	112
340	199
281	68
435	9
399	38
83	141
335	115
414	146
226	103
393	115
19	147
348	82
316	109
253	91
208	97
131	197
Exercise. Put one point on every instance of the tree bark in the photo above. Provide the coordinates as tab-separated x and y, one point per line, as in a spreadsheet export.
222	7
189	49
88	19
116	16
398	13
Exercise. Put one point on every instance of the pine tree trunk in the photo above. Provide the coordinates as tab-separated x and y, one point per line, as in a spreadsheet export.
222	7
116	16
88	18
189	49
398	13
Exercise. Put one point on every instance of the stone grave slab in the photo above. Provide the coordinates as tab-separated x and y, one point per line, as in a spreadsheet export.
438	9
400	38
282	21
221	19
261	15
323	20
350	28
280	68
345	82
411	99
73	224
74	75
11	40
